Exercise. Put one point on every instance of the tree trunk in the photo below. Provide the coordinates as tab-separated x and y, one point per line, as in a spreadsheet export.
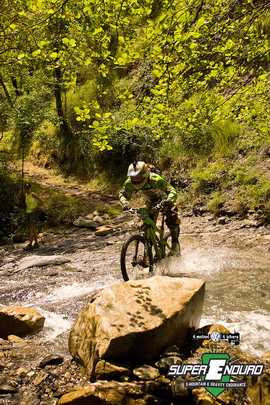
8	96
65	130
69	150
15	85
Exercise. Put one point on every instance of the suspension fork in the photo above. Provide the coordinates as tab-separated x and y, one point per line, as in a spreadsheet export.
152	239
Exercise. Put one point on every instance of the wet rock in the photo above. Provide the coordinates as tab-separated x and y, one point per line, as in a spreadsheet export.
203	397
115	393
7	388
249	223
50	360
146	372
259	388
222	221
163	381
99	219
20	372
266	356
180	392
86	223
42	376
136	320
164	364
8	266
39	261
14	338
107	371
19	321
104	230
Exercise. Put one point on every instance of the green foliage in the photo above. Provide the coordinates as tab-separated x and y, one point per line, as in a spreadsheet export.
10	201
102	209
209	179
187	80
61	209
187	49
247	176
259	194
216	202
29	112
225	136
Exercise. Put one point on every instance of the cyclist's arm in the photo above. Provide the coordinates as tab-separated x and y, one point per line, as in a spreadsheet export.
166	187
126	192
171	193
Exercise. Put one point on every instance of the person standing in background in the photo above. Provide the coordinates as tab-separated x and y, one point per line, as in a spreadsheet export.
33	202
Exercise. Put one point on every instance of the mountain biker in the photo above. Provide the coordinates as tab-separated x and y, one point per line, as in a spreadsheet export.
154	187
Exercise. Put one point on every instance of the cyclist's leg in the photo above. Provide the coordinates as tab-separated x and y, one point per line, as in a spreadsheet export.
173	223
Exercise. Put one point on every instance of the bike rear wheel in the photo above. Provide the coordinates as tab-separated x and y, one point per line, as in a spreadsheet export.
136	258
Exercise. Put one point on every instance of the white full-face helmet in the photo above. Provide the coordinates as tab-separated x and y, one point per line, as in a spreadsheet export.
138	173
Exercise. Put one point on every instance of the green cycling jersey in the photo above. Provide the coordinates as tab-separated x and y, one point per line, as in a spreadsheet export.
154	189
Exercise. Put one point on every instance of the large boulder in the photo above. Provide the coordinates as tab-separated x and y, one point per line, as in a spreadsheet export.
19	321
135	321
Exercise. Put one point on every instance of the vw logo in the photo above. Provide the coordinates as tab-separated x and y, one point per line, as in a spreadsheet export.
215	336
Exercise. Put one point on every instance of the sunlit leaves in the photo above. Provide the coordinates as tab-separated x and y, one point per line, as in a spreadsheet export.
190	47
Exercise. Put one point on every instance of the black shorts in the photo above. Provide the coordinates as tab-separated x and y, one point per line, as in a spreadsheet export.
32	217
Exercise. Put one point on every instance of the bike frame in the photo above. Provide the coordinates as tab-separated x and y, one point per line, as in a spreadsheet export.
151	230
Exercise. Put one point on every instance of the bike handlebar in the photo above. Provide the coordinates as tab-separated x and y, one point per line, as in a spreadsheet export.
157	208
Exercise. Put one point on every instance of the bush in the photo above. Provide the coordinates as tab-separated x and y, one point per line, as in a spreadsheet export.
216	202
11	201
225	135
102	209
209	179
61	209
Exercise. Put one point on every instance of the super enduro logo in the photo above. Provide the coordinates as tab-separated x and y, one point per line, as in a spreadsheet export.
215	373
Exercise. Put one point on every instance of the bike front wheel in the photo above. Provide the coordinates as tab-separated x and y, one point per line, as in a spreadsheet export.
136	258
169	251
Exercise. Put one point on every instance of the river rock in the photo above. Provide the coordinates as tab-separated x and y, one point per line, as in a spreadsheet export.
104	230
39	261
259	389
135	321
146	372
86	223
114	393
105	370
14	339
180	392
164	364
19	321
50	360
99	219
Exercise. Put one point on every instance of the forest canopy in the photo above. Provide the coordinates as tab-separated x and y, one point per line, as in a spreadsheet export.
89	84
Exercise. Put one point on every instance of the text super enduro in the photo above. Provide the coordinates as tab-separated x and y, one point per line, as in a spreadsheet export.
216	369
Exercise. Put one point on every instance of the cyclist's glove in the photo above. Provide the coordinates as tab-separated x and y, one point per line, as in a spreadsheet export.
126	207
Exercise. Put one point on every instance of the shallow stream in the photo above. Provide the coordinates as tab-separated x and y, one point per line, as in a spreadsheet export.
237	287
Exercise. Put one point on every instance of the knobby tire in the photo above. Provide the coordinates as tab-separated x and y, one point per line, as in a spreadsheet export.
130	258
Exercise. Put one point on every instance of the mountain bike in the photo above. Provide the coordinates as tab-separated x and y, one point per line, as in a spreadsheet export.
142	251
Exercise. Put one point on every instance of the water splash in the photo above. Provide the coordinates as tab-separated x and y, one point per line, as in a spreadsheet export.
254	329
